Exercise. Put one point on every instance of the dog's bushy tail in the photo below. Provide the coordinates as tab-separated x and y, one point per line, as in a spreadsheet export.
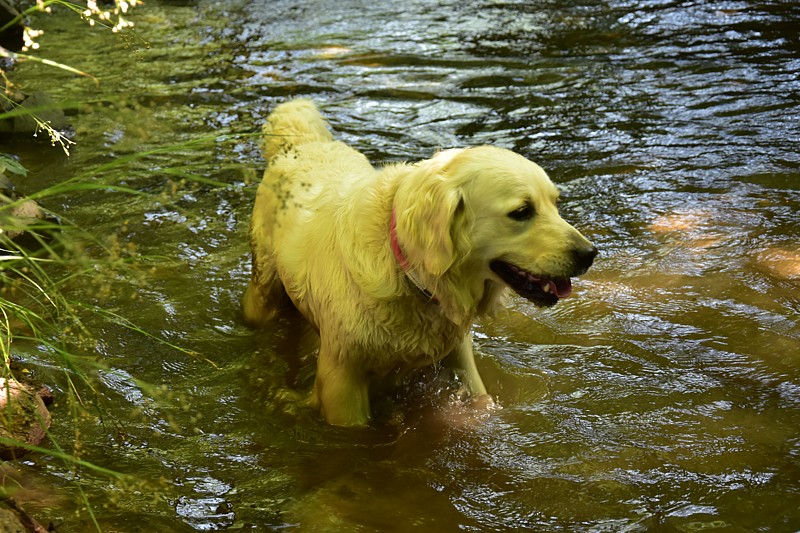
291	124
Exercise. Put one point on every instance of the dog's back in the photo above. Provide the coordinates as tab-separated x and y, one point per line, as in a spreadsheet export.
309	175
292	124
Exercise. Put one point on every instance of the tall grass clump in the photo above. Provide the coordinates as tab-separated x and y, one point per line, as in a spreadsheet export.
41	253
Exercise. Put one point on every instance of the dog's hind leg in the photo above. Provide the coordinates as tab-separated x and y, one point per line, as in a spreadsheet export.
265	296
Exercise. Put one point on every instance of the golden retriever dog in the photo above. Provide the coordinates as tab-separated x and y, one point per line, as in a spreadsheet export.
391	266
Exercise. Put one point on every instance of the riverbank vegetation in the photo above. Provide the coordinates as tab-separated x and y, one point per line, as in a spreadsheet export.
42	253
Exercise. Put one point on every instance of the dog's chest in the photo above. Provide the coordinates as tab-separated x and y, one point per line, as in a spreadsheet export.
414	338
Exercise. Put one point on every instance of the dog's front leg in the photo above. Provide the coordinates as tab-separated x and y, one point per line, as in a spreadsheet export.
462	357
341	393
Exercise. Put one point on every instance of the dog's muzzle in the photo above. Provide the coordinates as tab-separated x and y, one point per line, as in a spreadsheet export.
541	289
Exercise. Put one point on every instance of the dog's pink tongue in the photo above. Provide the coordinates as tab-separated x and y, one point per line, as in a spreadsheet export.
561	287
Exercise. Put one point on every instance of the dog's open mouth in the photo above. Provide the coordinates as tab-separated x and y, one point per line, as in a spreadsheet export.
540	290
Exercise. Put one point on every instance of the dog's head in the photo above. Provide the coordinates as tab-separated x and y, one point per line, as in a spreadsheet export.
486	214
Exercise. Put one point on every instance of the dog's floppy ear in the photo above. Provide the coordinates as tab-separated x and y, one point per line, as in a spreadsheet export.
427	204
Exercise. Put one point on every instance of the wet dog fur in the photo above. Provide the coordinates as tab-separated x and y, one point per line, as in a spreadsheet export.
391	266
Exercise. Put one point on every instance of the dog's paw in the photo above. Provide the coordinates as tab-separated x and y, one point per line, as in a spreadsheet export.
484	403
468	412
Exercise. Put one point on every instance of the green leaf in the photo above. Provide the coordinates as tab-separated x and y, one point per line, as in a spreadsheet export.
12	165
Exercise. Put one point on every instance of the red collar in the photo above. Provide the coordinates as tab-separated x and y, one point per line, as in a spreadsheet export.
402	260
398	252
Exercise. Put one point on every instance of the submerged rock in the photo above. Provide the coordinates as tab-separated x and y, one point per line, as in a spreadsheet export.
21	218
24	417
37	104
15	520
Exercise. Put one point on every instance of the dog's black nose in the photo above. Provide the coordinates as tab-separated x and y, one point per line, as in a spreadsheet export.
583	258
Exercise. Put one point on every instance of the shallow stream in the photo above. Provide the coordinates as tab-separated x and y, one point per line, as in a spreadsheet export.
664	396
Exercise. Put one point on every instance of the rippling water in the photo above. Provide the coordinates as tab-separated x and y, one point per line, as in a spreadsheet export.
664	397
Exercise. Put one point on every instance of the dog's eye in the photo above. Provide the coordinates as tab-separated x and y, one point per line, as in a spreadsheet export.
523	212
